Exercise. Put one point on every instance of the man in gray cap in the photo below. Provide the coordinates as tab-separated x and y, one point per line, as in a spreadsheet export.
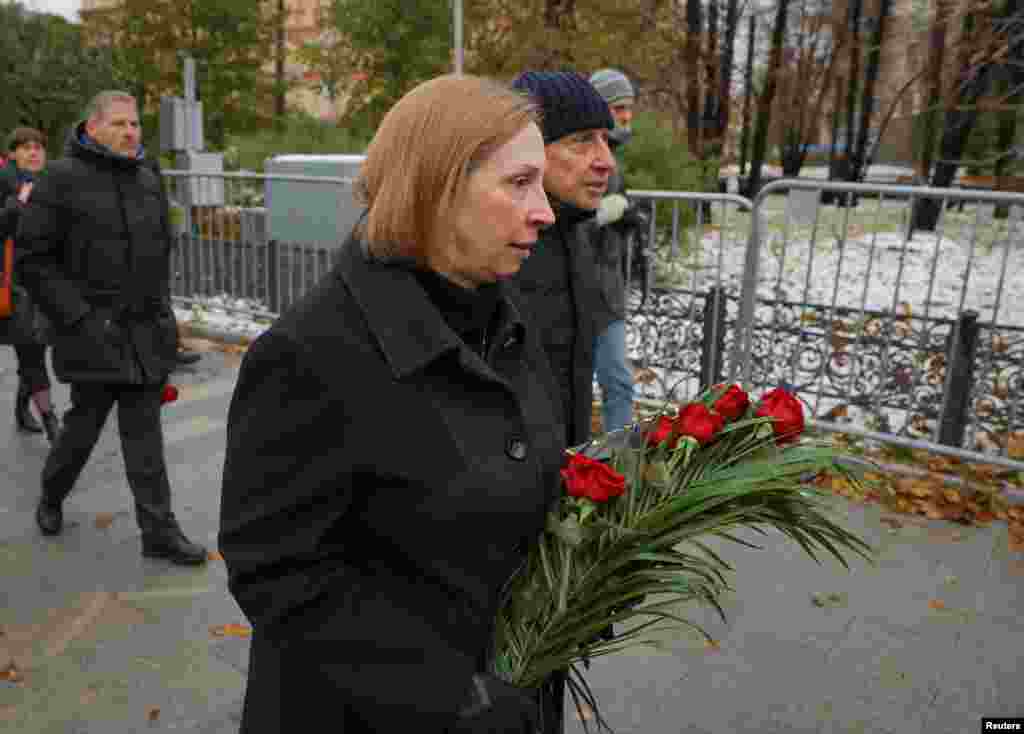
609	234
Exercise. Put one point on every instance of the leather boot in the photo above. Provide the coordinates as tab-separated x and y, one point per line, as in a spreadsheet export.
171	544
50	516
23	417
51	425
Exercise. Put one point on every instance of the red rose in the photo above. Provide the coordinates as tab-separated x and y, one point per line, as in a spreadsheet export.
697	421
169	394
662	431
787	414
732	403
595	480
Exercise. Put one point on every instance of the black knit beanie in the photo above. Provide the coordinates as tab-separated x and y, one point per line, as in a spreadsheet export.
568	102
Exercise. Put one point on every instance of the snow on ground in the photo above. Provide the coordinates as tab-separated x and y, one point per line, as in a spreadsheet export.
972	261
224	314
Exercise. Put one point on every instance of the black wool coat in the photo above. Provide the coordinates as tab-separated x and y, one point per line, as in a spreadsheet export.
558	291
381	484
94	243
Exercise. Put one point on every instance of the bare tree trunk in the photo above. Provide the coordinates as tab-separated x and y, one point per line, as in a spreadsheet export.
694	29
725	72
279	53
1014	92
845	172
764	102
936	57
747	122
858	169
960	118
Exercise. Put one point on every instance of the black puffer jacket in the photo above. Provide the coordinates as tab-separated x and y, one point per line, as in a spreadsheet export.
557	289
93	252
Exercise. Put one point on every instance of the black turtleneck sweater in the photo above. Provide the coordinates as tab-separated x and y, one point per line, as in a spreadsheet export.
469	313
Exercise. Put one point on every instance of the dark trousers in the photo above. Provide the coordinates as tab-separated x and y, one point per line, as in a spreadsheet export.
32	372
142	446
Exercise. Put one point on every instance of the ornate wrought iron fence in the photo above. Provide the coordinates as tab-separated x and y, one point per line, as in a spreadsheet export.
902	336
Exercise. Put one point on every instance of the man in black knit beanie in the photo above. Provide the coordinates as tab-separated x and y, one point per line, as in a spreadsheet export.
557	288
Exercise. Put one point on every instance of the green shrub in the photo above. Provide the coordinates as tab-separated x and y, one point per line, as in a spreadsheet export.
654	160
302	134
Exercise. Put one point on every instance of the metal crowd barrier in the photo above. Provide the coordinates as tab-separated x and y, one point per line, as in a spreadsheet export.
887	331
912	338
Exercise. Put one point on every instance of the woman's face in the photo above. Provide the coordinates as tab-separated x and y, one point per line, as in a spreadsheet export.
30	156
499	213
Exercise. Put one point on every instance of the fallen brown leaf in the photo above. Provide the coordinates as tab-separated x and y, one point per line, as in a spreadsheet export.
952	495
941	464
104	520
937	604
214	556
11	674
933	511
153	713
1015	513
1017	543
230	630
584	712
1015	445
840	411
892	522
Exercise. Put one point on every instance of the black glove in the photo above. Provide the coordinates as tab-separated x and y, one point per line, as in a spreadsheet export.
496	707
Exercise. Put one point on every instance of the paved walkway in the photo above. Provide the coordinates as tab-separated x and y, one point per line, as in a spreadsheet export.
105	642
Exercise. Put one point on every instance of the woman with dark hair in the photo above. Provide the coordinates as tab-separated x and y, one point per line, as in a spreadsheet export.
27	157
394	440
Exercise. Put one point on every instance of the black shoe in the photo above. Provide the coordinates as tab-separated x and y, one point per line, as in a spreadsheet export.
49	517
23	417
183	357
51	426
173	546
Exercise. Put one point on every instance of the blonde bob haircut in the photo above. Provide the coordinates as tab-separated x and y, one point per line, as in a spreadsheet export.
419	160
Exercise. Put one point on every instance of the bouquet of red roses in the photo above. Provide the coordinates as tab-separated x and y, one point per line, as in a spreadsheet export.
625	546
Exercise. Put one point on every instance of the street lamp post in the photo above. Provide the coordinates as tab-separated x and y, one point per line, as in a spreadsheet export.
457	24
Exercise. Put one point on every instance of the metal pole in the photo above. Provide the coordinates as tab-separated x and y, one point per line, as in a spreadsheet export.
457	24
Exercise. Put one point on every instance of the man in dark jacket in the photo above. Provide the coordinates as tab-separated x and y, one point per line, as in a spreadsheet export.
557	286
93	251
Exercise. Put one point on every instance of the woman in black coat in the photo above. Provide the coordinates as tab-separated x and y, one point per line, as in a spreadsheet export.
393	441
27	147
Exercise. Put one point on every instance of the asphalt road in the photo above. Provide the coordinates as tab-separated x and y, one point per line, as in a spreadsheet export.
101	641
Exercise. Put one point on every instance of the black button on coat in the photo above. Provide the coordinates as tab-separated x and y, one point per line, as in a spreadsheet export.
371	515
94	241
